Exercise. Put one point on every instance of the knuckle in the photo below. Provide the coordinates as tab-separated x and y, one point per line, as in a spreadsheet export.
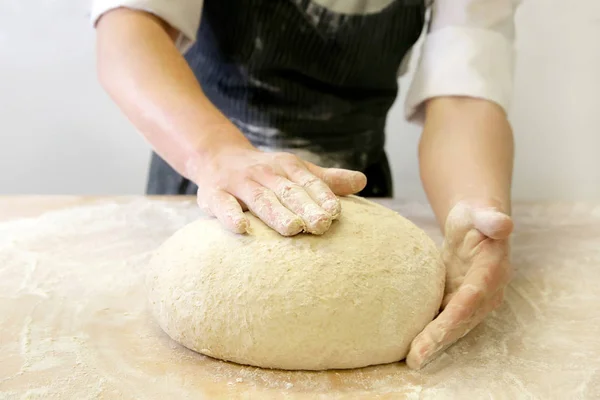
464	304
486	279
311	180
287	189
475	296
260	170
258	195
437	335
478	298
287	158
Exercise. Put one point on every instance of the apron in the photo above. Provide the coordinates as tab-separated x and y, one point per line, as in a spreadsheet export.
314	78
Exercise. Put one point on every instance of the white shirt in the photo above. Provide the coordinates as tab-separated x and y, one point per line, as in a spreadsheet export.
468	50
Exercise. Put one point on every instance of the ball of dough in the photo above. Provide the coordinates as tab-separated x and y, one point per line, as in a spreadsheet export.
353	297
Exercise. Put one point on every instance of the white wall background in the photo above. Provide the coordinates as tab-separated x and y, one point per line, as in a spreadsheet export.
59	133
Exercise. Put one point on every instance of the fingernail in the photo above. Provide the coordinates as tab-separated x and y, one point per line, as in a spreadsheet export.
241	225
316	220
358	182
293	227
319	224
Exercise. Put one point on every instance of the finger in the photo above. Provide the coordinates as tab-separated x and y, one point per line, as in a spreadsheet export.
466	310
294	197
460	249
226	208
490	272
342	182
263	203
202	201
316	188
440	333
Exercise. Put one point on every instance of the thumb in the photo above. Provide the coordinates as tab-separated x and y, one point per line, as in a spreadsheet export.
342	182
492	223
488	220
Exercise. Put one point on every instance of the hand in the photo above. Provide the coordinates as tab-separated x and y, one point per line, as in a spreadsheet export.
288	194
476	255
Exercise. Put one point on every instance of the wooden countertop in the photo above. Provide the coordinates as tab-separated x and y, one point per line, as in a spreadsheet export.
74	322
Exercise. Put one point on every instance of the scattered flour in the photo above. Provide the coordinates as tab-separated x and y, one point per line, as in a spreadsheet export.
74	322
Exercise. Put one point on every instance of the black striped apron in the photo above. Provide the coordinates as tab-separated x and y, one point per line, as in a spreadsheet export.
295	76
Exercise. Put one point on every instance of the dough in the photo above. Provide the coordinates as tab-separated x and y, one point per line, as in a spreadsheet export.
353	297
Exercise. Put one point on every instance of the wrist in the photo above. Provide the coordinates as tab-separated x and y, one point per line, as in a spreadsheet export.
220	140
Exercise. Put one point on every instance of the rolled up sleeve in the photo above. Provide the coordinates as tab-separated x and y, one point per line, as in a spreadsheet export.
468	51
183	15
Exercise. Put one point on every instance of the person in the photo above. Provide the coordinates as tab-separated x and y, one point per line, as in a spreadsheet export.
279	106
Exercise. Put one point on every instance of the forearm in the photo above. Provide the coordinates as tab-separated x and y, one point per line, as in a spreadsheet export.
144	73
466	153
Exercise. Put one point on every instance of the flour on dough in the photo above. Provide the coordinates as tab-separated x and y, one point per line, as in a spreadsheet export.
353	297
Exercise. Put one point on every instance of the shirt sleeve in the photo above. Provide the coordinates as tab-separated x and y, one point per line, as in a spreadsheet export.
183	15
468	51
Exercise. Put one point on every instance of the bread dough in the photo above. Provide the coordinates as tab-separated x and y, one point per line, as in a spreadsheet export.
353	297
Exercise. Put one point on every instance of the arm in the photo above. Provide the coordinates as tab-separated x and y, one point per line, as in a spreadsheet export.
143	71
145	74
461	93
466	153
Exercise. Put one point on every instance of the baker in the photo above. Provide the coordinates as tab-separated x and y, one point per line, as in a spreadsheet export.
279	106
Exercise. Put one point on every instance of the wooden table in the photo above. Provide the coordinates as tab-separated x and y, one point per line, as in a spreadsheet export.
74	322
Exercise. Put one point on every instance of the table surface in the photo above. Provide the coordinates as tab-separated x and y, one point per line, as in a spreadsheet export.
75	324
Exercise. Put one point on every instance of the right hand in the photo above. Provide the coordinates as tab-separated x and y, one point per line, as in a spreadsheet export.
287	193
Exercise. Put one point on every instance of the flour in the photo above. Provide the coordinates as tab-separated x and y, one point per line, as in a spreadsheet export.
74	323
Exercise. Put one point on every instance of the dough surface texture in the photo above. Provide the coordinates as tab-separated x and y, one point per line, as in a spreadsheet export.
355	296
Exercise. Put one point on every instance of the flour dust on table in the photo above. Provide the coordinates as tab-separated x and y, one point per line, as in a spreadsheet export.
353	297
75	321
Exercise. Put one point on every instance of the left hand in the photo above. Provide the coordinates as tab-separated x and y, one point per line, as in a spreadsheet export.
476	254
